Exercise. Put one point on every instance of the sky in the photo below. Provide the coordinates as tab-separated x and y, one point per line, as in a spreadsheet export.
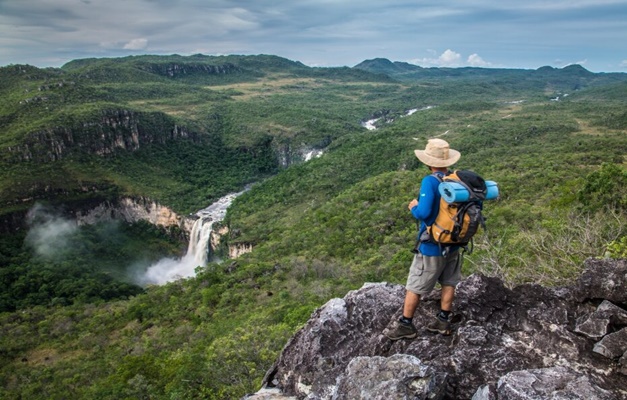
323	33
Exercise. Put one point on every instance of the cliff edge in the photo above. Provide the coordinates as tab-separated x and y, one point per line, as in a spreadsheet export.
529	342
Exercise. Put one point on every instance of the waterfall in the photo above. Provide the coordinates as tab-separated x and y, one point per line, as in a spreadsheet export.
199	240
169	269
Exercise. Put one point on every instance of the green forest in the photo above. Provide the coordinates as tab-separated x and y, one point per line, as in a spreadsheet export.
184	131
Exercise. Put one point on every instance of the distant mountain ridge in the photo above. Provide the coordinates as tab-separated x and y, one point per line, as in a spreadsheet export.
203	68
572	74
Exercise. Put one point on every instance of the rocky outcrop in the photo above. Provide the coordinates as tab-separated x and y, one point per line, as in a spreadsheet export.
529	342
237	249
133	210
288	155
217	233
222	247
94	210
113	130
176	70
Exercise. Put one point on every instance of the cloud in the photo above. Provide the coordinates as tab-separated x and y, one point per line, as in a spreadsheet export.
133	45
623	64
136	44
450	58
474	60
321	32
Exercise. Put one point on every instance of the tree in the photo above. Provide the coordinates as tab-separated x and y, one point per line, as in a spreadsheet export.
606	187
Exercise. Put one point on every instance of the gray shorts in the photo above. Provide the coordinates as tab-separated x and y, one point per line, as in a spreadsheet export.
425	271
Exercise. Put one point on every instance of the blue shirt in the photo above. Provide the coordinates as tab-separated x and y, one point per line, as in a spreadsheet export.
427	210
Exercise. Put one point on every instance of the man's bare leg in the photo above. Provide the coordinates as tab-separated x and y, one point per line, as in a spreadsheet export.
411	303
448	294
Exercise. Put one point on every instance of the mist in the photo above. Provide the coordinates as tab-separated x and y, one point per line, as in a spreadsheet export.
166	270
113	249
49	234
55	238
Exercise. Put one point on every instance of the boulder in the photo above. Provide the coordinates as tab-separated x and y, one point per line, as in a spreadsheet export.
529	342
549	383
613	345
400	376
599	323
336	333
604	279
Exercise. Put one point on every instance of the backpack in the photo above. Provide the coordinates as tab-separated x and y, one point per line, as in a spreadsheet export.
458	221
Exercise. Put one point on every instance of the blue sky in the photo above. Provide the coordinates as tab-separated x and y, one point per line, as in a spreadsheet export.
499	34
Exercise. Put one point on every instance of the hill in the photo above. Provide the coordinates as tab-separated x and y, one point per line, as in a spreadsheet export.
178	131
74	118
569	78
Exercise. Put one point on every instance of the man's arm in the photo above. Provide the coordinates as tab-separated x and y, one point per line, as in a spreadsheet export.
424	208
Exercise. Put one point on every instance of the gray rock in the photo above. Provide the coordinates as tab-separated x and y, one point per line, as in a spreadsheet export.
336	333
522	343
400	376
485	392
613	345
269	394
550	383
603	279
597	324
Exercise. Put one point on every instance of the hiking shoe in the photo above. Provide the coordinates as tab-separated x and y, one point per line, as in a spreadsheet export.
398	330
440	326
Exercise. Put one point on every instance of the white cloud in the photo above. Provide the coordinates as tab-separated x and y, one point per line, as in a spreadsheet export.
623	64
474	60
136	44
449	58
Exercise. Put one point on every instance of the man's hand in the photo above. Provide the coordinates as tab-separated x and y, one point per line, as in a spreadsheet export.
412	204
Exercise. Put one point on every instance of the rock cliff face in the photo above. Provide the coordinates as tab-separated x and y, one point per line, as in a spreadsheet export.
529	342
133	210
174	70
289	152
114	130
236	250
142	209
232	250
288	155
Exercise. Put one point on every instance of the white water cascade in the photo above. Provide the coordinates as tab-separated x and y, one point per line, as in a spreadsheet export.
169	269
370	124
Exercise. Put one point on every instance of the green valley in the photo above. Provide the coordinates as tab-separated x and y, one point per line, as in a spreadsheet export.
184	131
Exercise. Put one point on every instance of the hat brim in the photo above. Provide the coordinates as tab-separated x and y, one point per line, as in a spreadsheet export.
426	159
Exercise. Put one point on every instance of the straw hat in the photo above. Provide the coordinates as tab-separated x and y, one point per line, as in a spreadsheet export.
438	154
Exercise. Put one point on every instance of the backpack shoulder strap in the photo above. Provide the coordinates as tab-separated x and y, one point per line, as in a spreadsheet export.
439	176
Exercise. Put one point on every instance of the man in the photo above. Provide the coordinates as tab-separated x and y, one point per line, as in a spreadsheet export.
432	262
